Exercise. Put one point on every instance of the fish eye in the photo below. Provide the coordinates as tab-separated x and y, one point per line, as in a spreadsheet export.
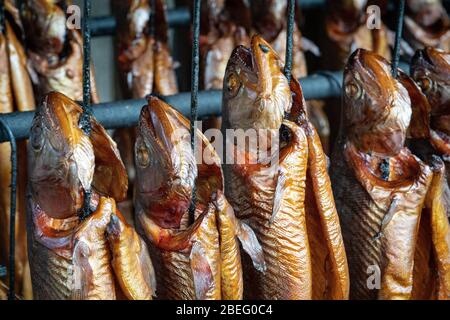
426	84
142	155
233	84
37	138
353	91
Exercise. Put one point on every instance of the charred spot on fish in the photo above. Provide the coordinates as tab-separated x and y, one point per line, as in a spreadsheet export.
87	209
285	134
233	84
264	48
385	169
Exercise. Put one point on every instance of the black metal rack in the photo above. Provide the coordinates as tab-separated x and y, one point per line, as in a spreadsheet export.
119	114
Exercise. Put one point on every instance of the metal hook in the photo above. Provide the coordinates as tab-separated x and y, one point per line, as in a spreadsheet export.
289	40
12	214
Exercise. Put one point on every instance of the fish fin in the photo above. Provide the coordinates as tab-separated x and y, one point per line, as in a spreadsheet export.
147	267
201	271
279	191
419	127
440	228
110	177
309	46
251	245
388	216
83	273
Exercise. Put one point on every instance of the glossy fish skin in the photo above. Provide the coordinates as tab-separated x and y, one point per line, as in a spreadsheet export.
431	70
346	30
69	258
380	187
272	199
144	59
194	260
58	65
427	24
6	105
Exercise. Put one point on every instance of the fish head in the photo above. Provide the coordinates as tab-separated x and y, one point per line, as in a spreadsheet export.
425	12
45	26
349	10
377	106
270	17
256	93
61	157
430	68
165	165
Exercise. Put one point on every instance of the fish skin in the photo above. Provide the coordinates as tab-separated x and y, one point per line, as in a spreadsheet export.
273	199
75	256
382	215
57	66
346	30
131	262
427	25
430	68
190	257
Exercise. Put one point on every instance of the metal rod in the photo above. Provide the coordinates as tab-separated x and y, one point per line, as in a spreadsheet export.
125	114
2	271
289	39
12	214
398	36
194	91
85	119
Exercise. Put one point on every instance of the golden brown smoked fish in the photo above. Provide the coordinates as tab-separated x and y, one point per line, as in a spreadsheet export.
427	24
70	258
270	22
381	189
221	31
431	70
144	60
55	52
284	201
22	100
195	260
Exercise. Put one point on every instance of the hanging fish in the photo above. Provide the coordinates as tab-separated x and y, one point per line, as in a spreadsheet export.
270	22
22	99
224	25
100	257
392	223
198	259
54	51
144	58
288	203
144	61
346	30
427	24
430	68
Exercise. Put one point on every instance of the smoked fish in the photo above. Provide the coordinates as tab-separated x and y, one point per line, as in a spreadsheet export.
197	257
381	189
100	257
55	52
427	24
430	68
288	202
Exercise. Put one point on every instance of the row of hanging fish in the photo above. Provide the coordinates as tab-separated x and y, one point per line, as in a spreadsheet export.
39	54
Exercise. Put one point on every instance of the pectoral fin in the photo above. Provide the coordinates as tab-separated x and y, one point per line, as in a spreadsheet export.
201	271
251	245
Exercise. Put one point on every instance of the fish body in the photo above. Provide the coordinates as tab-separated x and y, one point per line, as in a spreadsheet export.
380	187
274	198
427	25
72	259
431	70
197	259
58	65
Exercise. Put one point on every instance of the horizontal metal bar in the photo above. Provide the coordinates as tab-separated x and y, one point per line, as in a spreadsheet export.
2	271
122	114
105	25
